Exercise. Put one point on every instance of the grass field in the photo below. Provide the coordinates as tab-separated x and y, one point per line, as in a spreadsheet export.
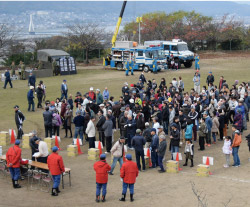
152	189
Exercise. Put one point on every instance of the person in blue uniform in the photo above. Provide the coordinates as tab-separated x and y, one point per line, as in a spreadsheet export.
7	79
127	67
155	65
197	62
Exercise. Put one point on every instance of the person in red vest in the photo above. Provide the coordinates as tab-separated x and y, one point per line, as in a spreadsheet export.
101	168
13	157
56	168
92	94
128	173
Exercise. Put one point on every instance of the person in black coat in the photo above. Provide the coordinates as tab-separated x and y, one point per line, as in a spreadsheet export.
39	92
222	123
131	129
19	118
146	112
248	141
143	79
165	117
99	125
47	116
7	79
32	80
138	142
33	145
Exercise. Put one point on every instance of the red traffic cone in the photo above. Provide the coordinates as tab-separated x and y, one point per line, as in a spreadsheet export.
177	159
12	138
78	146
149	158
57	143
208	163
100	148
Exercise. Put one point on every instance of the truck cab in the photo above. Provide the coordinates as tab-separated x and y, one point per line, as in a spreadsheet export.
177	48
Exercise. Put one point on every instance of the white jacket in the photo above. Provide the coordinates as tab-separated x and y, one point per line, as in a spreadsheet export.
90	131
226	147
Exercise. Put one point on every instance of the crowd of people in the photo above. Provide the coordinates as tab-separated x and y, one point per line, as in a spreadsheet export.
150	115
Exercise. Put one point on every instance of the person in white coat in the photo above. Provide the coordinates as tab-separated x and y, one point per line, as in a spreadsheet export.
43	153
226	150
90	131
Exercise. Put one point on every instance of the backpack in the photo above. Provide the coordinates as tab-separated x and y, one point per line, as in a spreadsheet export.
205	131
54	121
237	140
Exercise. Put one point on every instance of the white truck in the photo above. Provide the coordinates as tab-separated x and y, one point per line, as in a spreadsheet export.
177	47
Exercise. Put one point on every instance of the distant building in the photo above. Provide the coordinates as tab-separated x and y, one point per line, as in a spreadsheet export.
31	27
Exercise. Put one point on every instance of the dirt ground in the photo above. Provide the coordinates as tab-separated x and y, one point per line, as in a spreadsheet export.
151	188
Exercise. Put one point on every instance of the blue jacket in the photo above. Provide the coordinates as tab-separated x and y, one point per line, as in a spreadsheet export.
209	123
32	80
63	89
242	108
155	142
137	142
30	95
189	131
105	95
131	129
7	75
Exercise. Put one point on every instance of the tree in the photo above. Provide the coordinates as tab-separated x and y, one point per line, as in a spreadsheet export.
6	37
86	36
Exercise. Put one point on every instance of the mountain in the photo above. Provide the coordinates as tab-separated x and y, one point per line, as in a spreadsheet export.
98	8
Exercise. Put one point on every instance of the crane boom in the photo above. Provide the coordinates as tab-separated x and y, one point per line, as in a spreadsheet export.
118	24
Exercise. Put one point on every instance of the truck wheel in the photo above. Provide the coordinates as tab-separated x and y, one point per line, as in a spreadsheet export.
146	69
188	64
119	66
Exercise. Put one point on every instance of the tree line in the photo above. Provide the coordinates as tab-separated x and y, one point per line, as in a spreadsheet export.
199	31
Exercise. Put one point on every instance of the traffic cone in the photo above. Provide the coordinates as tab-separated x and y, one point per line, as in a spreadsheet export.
78	146
12	139
149	158
177	159
100	148
57	143
207	163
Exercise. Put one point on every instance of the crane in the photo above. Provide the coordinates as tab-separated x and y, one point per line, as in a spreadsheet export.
118	24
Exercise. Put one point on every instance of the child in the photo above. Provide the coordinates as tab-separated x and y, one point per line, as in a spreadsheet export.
189	151
226	150
202	134
101	168
189	130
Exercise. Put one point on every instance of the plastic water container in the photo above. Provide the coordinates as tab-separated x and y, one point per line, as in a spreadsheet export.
1	151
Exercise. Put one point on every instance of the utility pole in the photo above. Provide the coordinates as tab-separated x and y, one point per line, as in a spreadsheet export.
139	20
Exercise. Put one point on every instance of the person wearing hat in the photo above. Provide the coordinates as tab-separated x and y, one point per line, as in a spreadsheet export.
30	97
19	119
47	117
101	168
7	79
128	173
174	139
56	168
197	62
242	111
92	94
153	147
142	78
118	152
161	152
64	90
13	158
210	78
161	131
138	142
125	88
